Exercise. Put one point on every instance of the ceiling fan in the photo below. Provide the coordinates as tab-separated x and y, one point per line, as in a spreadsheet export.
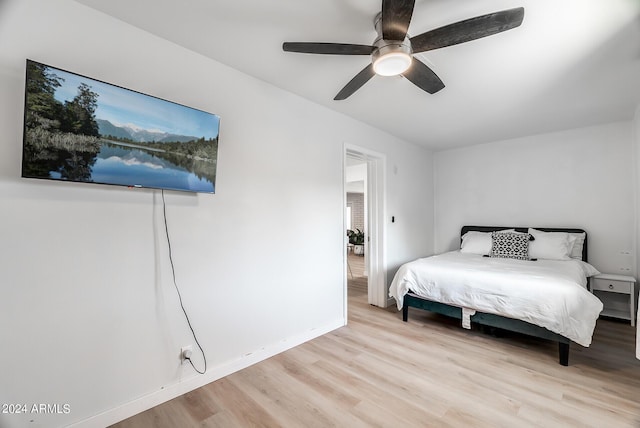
392	51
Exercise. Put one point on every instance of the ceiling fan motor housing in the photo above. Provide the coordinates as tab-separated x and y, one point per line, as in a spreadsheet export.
385	47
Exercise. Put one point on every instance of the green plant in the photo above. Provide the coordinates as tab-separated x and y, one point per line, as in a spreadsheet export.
355	237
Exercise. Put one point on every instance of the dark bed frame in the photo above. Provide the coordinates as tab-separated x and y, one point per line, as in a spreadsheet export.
497	321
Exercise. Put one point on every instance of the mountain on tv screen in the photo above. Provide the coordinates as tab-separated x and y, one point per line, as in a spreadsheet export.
84	130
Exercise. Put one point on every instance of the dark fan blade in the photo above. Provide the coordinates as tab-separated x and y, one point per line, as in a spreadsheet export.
396	16
356	83
327	48
423	77
467	30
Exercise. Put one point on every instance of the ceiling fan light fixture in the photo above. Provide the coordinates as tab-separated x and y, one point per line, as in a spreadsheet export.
392	63
391	58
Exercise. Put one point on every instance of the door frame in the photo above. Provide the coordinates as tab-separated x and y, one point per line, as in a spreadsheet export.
375	234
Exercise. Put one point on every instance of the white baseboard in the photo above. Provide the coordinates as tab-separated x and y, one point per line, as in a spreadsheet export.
170	392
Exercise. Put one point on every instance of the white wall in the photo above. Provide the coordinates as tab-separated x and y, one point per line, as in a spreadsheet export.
88	314
577	178
636	146
410	199
356	178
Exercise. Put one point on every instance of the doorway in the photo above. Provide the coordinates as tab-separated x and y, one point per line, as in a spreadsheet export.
364	173
356	228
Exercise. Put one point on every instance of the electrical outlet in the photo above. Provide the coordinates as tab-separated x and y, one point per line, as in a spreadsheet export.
185	353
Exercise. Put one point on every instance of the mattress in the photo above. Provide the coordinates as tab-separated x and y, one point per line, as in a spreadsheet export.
548	293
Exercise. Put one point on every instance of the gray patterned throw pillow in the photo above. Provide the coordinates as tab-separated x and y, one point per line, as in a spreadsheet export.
510	245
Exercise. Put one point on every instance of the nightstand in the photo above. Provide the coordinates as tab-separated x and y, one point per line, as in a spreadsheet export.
618	294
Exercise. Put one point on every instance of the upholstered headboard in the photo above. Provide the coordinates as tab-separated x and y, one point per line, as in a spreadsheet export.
466	229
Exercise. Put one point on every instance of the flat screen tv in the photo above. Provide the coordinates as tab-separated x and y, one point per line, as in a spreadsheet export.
85	130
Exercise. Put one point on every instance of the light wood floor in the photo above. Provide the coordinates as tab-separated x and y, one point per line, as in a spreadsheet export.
429	372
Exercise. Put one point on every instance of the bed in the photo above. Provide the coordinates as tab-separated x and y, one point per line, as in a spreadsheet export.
548	299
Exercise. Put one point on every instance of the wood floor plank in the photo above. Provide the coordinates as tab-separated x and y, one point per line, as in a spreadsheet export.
379	371
239	406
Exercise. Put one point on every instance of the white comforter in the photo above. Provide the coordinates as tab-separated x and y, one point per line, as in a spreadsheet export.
547	293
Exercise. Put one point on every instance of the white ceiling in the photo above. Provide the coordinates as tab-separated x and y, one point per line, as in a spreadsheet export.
572	63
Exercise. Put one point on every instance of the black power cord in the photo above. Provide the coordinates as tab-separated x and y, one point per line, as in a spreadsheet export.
175	284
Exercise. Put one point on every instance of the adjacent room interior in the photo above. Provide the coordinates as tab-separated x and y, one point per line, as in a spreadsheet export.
116	297
355	215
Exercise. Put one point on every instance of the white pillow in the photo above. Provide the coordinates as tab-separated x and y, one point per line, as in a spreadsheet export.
576	252
588	269
474	242
572	243
549	245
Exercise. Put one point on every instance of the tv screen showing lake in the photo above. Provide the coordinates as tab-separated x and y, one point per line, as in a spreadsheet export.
84	130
